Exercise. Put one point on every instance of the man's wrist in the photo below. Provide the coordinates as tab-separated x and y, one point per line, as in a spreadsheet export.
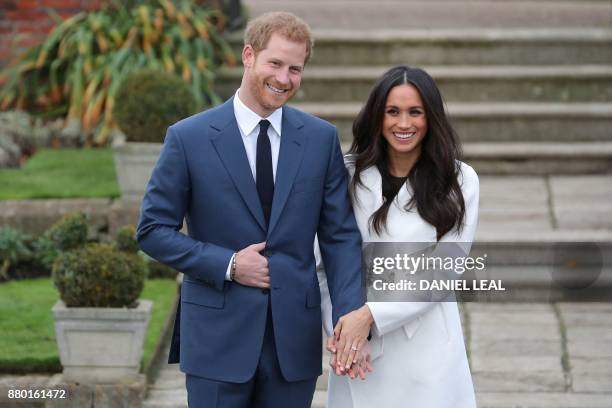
233	267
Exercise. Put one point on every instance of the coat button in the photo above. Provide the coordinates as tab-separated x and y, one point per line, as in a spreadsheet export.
265	291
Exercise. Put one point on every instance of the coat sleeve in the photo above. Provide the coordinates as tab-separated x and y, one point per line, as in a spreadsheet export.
389	316
163	209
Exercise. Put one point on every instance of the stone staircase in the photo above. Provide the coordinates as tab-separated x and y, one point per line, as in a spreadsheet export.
528	100
518	104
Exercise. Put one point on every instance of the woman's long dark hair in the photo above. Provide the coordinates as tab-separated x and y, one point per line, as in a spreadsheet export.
434	178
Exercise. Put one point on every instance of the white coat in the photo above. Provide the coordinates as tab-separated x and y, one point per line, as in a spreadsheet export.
417	348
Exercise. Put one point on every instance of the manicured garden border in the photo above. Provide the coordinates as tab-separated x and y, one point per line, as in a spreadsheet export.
50	363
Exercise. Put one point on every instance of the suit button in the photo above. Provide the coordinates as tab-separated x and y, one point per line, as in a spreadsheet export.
265	291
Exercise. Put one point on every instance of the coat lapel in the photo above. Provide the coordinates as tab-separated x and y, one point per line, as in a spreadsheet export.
230	149
289	160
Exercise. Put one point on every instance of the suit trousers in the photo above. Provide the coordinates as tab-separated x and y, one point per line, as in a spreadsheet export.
266	389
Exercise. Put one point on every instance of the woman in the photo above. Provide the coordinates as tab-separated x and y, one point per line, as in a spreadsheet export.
407	185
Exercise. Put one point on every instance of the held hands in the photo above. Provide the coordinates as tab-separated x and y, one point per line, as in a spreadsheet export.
350	335
252	267
360	366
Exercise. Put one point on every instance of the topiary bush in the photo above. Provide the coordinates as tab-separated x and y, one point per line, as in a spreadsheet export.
149	101
69	232
99	275
126	239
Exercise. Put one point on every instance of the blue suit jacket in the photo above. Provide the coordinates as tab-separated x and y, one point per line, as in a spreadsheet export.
203	175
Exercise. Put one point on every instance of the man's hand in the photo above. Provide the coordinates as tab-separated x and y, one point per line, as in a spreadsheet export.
252	267
362	366
351	333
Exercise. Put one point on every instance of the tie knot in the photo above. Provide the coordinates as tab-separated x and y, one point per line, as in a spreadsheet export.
263	126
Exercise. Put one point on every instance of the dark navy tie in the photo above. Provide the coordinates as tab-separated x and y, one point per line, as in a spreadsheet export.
263	165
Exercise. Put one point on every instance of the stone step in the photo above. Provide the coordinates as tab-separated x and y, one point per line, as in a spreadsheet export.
319	3
542	400
349	14
479	83
463	46
517	399
499	122
323	378
176	398
543	158
506	246
319	399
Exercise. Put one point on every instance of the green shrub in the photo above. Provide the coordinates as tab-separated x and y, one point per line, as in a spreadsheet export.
14	249
69	232
99	275
126	239
148	102
45	252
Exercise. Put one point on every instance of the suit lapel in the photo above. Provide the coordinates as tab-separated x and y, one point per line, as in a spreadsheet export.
289	160
230	149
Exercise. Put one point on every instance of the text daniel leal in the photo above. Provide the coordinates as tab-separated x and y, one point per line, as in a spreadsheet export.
445	284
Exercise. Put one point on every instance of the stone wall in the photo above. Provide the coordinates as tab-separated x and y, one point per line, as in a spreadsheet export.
35	216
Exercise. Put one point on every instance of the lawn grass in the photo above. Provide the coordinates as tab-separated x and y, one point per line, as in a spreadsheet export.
62	173
27	343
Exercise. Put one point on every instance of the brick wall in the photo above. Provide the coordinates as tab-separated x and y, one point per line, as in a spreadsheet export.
24	23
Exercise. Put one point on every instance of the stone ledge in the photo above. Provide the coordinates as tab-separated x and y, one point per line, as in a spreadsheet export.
36	216
126	395
452	35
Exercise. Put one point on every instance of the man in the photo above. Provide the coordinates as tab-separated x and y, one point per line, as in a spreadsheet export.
255	180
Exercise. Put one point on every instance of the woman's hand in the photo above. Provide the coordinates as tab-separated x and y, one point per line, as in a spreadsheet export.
359	368
351	333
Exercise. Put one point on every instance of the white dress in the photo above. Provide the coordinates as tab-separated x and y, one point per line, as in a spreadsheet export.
417	348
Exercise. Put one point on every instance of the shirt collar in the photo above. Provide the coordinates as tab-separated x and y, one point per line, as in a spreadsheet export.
248	120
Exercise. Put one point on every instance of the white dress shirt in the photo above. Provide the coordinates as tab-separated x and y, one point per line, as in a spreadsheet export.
248	123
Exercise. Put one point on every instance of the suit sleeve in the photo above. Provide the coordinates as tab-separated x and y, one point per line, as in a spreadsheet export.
163	209
340	239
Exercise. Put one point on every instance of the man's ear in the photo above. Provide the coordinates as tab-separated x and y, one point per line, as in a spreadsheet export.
248	56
